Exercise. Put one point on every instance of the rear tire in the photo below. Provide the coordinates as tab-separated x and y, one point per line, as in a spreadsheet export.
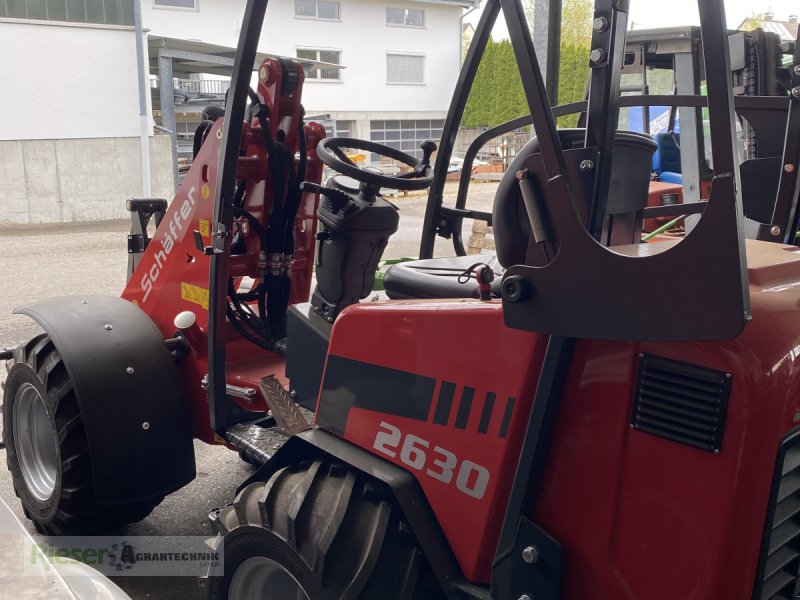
46	449
318	531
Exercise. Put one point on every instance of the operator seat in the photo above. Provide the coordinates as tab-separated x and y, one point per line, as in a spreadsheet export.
667	159
439	277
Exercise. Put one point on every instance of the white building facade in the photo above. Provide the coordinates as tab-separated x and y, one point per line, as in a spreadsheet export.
69	145
69	150
400	59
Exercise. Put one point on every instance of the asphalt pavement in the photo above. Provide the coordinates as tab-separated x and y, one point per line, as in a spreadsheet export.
44	261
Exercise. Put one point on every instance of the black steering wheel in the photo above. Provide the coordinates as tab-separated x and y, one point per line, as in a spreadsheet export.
331	153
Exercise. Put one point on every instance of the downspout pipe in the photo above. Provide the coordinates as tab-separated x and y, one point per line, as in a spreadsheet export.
144	118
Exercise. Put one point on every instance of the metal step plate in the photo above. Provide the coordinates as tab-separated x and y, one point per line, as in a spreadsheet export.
258	440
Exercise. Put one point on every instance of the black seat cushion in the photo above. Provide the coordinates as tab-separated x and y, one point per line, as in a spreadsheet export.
438	278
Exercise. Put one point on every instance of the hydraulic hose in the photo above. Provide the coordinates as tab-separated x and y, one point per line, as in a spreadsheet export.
277	239
294	198
295	193
663	228
275	311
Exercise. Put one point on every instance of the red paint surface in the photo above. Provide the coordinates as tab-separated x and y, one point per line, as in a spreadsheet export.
467	343
638	516
655	198
184	264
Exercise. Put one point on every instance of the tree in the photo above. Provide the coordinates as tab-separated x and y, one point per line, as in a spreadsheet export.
573	78
497	95
576	20
754	21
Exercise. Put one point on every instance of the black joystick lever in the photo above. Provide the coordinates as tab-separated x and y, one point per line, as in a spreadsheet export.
428	148
336	199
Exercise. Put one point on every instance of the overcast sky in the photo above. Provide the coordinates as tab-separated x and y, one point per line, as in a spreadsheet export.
647	13
681	12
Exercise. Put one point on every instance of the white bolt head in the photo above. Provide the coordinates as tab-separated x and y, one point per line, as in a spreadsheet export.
597	56
185	320
600	24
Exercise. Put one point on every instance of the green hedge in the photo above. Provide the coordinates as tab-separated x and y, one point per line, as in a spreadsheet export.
497	95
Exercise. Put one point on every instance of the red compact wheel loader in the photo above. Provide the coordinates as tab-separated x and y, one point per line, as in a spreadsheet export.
581	416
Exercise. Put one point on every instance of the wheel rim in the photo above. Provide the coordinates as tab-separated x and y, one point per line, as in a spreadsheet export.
260	577
35	442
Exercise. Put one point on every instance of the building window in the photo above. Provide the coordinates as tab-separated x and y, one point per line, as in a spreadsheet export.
408	17
405	68
405	135
192	4
343	129
105	12
317	9
321	72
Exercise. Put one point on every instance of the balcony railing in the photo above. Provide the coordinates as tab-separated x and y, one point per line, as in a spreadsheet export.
201	86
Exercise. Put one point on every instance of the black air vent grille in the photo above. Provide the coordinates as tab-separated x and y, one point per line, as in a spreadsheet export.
681	402
780	549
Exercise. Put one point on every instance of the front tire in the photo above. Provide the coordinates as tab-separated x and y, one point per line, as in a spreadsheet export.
46	449
319	531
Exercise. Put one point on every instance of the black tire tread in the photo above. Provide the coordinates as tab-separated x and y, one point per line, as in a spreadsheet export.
346	530
300	494
334	523
77	513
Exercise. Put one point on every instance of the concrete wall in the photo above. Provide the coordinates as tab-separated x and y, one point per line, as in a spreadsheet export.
54	181
69	146
63	80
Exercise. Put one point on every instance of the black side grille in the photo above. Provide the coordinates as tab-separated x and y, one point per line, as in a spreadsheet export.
779	566
681	402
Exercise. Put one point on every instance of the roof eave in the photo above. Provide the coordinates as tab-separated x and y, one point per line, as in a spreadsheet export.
461	3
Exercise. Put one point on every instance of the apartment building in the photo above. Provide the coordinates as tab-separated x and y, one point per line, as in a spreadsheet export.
399	59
